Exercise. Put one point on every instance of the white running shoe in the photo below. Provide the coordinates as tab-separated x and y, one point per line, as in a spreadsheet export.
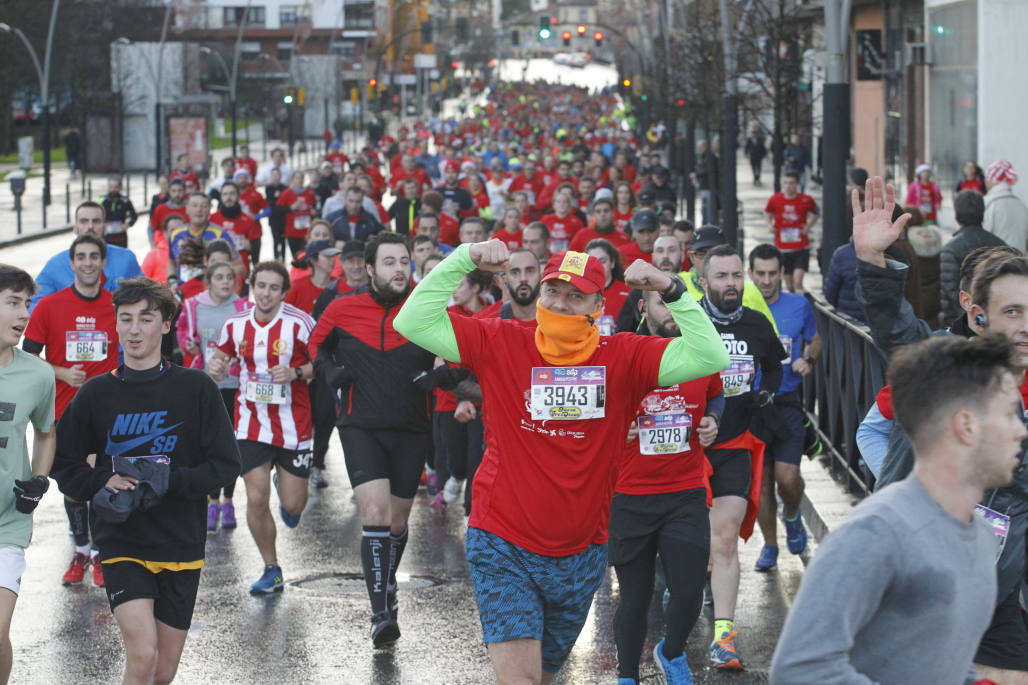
451	491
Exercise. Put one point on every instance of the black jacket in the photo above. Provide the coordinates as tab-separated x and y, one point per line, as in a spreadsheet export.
366	226
175	412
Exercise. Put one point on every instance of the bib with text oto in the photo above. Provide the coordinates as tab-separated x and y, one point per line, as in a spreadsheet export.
568	393
664	433
85	346
262	388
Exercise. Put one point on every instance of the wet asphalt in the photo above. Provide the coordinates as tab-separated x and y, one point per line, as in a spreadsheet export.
317	630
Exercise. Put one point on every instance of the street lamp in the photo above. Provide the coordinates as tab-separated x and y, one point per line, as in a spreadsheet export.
231	91
43	72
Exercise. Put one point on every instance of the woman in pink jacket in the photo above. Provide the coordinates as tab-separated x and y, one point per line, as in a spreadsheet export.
924	194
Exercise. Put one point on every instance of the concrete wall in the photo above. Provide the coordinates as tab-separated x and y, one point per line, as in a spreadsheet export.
1002	96
133	68
868	100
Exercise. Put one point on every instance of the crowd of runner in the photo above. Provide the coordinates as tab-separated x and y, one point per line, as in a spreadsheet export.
508	310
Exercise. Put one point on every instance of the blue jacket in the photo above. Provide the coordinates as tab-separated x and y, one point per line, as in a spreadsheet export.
840	281
57	274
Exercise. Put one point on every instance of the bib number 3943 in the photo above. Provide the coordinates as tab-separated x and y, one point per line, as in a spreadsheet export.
664	433
568	393
85	346
262	389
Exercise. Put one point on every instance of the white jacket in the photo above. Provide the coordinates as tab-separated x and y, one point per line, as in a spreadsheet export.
1006	216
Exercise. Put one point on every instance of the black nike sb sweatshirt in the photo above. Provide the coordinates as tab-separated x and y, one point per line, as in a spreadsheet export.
167	411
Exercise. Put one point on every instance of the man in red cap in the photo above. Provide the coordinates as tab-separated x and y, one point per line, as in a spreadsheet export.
535	541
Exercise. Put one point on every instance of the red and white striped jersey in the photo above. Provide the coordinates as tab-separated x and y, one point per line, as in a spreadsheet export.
273	413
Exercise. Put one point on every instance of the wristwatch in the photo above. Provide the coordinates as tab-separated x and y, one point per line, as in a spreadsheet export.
674	291
299	372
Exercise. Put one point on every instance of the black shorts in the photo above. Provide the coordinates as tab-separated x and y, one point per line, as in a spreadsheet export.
796	259
788	450
253	454
637	521
1005	643
395	455
732	472
173	592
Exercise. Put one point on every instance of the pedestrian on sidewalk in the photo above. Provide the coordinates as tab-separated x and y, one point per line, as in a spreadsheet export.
756	150
1005	214
72	149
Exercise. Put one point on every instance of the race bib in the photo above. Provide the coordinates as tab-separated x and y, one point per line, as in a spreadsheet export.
737	377
568	393
606	325
1000	525
115	227
263	389
791	235
664	433
238	241
927	207
85	346
787	344
302	221
337	168
559	245
208	353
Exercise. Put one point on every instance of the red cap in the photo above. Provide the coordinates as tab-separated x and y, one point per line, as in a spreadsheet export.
453	165
577	268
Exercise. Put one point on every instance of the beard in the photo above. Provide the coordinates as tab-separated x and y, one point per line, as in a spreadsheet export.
666	329
523	300
385	293
726	305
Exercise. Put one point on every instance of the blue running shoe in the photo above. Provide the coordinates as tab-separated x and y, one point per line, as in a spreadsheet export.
627	681
270	582
795	534
723	655
768	559
675	671
291	520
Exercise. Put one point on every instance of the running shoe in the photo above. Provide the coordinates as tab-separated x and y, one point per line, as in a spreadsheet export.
98	571
768	559
627	681
723	655
812	446
317	477
291	520
213	514
76	570
228	515
384	629
438	503
675	671
665	600
451	491
270	581
431	483
795	534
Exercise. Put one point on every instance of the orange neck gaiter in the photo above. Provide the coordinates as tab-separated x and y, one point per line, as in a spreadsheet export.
565	340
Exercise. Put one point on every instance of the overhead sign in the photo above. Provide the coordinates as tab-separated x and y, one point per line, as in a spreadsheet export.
405	79
424	61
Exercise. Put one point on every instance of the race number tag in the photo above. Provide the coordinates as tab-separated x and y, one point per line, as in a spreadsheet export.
737	377
115	227
664	433
791	235
606	325
1000	525
263	389
208	352
337	167
302	222
568	393
239	242
787	344
559	245
85	346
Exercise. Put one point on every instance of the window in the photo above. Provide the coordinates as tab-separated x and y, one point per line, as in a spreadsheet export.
290	15
347	51
285	51
360	16
234	15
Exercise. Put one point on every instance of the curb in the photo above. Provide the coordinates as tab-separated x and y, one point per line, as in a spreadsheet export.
825	502
38	235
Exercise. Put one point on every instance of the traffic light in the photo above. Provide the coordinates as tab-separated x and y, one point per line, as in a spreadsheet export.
426	33
567	38
289	97
301	97
454	65
680	102
581	29
598	37
372	84
515	38
544	28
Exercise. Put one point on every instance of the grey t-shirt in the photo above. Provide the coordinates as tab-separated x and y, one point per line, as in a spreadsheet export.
900	593
209	321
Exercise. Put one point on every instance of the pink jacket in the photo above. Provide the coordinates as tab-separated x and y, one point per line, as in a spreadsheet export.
186	328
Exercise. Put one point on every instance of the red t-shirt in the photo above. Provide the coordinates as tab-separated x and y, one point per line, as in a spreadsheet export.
248	163
511	240
188	177
303	294
419	175
252	202
673	461
562	230
544	484
790	218
74	330
614	296
621	219
532	186
338	161
161	213
587	235
630	252
298	222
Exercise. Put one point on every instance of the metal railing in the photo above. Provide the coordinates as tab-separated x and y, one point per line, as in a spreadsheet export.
837	395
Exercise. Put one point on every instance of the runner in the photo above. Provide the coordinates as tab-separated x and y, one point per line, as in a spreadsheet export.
645	230
27	393
272	417
299	201
790	216
535	574
198	209
184	172
536	237
75	331
798	334
148	418
305	290
353	222
660	505
562	224
175	204
602	227
198	328
277	214
736	456
57	274
119	213
615	292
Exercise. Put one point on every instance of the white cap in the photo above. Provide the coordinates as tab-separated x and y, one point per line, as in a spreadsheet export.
922	167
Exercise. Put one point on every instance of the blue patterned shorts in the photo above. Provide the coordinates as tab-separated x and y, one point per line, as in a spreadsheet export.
523	595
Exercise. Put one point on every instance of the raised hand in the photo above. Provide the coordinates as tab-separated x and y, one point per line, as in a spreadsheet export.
492	255
644	276
873	227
